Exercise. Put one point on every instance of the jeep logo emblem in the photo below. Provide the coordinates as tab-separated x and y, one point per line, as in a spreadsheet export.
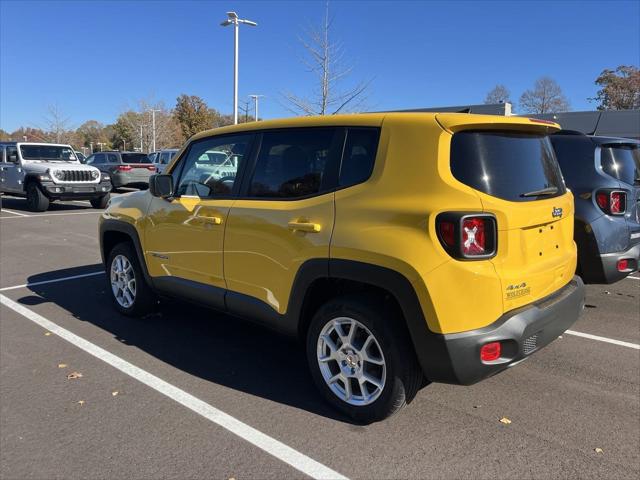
556	212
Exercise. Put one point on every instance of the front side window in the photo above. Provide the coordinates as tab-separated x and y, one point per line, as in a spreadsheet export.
203	174
513	166
48	153
112	158
292	163
621	162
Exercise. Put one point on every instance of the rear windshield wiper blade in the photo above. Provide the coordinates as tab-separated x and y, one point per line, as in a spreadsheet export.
538	193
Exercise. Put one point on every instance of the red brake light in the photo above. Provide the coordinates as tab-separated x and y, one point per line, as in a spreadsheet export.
612	202
602	199
447	233
490	352
152	168
623	265
473	236
124	168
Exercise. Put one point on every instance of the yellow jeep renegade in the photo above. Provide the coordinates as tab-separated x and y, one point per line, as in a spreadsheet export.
399	247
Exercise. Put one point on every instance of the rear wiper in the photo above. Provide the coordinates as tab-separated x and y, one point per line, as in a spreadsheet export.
539	193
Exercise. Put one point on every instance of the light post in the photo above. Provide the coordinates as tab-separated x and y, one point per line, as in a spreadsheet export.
153	126
255	103
91	146
235	21
141	146
100	144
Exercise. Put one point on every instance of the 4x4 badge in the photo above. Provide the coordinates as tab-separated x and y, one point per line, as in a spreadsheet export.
556	212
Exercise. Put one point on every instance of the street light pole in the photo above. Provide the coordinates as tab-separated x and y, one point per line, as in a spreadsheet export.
255	103
235	21
153	126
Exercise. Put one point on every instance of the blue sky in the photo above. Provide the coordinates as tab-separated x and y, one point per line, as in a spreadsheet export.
95	58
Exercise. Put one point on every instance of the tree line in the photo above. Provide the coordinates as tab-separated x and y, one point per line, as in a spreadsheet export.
619	90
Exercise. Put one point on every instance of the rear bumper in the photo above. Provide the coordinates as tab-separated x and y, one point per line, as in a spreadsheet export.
521	333
610	263
124	179
75	192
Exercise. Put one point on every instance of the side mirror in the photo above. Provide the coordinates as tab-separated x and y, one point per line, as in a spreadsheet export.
161	186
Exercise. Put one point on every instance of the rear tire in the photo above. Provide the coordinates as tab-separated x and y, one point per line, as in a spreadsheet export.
36	200
100	202
129	290
382	372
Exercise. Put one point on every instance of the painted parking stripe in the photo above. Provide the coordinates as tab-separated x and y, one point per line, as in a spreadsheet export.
635	346
49	214
55	280
634	278
274	447
15	213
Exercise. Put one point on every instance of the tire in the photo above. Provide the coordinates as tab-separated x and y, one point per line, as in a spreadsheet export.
101	201
399	375
139	300
36	200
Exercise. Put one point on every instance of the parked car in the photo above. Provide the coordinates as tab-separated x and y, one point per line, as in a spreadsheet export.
126	169
396	247
604	175
46	172
81	157
162	157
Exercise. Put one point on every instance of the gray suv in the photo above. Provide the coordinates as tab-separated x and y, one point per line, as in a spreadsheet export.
126	169
45	172
604	175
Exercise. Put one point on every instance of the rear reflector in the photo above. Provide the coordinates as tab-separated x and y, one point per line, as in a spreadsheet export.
473	236
447	233
490	352
623	265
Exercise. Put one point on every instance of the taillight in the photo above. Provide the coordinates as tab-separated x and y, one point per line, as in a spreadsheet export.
612	202
152	168
124	168
490	351
467	236
623	265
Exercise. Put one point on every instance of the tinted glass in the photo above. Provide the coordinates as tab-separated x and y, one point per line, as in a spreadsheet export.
112	158
204	178
134	158
359	155
100	158
291	163
622	162
50	153
506	165
12	151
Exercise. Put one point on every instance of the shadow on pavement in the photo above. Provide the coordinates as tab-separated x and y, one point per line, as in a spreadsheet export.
213	346
20	205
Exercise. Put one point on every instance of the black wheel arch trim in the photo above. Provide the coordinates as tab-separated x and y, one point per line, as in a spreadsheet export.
112	225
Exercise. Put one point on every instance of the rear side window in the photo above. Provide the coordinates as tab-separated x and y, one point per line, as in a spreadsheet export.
513	166
621	162
359	155
292	163
112	158
134	158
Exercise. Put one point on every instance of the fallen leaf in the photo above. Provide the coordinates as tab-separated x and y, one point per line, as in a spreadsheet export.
505	420
74	375
560	336
598	450
114	393
47	334
477	406
62	365
81	402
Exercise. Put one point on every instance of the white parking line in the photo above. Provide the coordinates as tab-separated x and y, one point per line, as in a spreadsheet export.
279	450
49	214
15	213
633	278
635	346
55	280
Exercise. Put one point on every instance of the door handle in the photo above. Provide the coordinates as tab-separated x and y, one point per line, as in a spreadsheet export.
211	220
305	227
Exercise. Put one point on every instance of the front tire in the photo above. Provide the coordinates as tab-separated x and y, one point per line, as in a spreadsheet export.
361	358
129	290
100	202
36	200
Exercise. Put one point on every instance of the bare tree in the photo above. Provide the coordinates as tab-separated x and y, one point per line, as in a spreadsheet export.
545	97
499	94
325	61
56	124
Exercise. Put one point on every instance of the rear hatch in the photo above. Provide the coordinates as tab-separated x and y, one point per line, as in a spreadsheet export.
139	164
513	169
622	162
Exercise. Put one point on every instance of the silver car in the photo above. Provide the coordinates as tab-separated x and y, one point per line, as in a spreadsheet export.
126	169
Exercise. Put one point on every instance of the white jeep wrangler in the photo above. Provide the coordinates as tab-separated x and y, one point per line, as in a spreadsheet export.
44	172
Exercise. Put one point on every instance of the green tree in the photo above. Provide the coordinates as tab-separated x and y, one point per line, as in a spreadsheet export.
193	115
619	89
90	132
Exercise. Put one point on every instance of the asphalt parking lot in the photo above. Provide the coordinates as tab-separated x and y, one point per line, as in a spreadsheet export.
189	393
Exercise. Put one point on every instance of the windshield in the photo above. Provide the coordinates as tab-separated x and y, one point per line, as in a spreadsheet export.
519	167
49	153
621	162
135	158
